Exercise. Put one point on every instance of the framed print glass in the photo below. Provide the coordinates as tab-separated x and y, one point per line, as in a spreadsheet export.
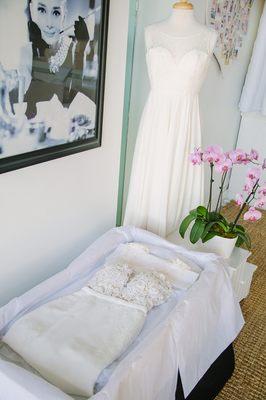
52	70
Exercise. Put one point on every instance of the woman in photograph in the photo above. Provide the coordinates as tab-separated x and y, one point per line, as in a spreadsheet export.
58	56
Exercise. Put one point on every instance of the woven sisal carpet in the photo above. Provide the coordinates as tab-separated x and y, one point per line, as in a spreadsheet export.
249	379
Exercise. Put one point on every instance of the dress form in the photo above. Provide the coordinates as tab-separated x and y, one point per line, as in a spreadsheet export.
181	23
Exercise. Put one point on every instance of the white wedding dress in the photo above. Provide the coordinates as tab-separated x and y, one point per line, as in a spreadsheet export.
164	185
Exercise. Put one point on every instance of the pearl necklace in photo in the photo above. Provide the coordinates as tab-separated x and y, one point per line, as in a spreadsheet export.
58	59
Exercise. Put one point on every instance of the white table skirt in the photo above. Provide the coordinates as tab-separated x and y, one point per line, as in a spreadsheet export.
194	333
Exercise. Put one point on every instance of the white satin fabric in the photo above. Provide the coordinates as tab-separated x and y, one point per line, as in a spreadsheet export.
253	97
164	186
70	340
187	333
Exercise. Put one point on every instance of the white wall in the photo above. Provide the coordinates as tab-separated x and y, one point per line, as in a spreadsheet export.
50	212
9	28
220	94
252	135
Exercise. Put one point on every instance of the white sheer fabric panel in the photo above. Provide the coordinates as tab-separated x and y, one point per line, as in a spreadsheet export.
254	92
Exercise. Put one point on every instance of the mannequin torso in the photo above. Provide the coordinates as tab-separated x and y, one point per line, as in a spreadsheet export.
180	33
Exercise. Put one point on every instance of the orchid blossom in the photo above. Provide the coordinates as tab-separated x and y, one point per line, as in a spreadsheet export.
260	202
252	215
196	157
239	199
213	154
238	156
254	155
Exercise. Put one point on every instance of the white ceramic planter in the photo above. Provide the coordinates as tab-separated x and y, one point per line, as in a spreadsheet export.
219	245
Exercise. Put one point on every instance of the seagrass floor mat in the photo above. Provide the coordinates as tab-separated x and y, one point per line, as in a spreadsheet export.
249	379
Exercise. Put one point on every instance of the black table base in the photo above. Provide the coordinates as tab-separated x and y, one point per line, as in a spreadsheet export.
213	381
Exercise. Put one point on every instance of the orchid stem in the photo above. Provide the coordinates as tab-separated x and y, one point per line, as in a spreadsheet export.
219	201
211	185
250	197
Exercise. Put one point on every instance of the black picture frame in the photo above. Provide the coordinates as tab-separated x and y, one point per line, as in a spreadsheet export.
30	158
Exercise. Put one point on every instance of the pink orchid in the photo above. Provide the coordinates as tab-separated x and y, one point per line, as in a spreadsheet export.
254	155
213	154
260	202
252	215
248	185
238	156
224	166
262	191
239	200
254	174
196	157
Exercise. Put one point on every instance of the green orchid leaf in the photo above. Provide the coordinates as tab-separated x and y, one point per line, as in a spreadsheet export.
197	230
239	241
208	228
214	216
239	228
208	236
185	224
224	226
245	239
202	211
193	212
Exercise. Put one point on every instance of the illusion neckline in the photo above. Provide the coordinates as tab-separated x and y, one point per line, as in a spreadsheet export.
181	37
173	56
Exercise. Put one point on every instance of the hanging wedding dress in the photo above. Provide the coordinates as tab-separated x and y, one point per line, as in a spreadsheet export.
164	185
254	92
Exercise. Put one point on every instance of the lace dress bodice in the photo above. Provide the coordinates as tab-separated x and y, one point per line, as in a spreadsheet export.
147	289
111	280
178	63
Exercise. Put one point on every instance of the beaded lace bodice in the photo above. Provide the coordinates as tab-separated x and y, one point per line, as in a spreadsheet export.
111	280
147	289
178	63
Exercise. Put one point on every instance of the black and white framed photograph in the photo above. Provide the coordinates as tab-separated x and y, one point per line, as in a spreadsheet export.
52	72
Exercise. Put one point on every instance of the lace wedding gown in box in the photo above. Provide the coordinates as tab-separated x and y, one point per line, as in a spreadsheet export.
164	185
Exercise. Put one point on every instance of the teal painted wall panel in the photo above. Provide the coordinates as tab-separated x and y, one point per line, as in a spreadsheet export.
128	84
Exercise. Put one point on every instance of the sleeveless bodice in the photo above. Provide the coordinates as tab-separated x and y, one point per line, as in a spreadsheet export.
171	74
